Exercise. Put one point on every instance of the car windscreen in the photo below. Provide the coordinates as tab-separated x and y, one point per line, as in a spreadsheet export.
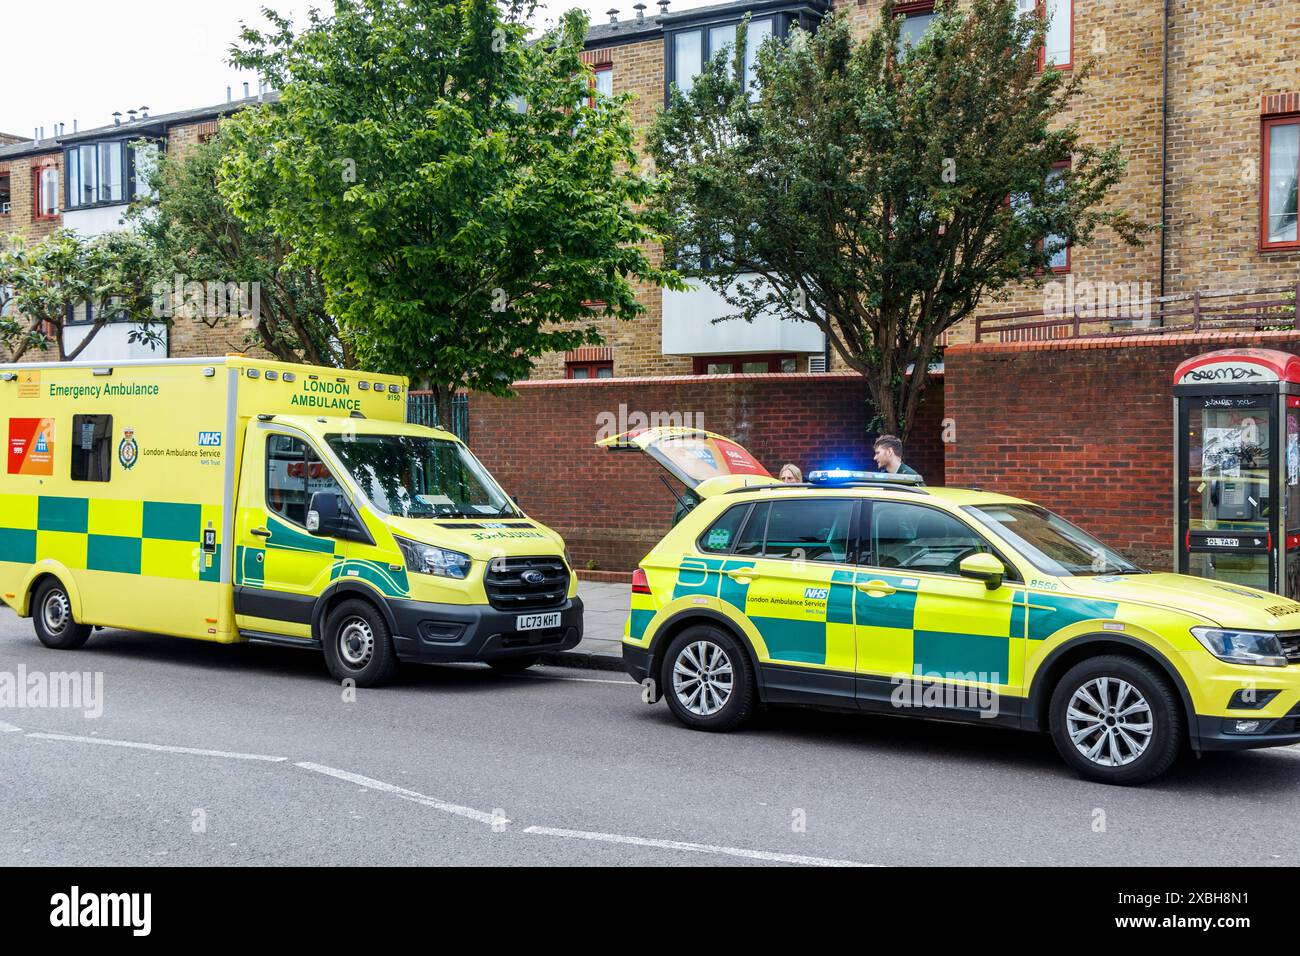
417	477
1051	543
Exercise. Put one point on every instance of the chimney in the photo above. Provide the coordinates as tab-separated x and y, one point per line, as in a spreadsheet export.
640	12
663	7
74	125
130	116
613	14
117	119
144	112
227	92
245	90
36	135
60	132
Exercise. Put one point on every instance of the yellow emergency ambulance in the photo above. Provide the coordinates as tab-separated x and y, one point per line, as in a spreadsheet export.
230	499
864	591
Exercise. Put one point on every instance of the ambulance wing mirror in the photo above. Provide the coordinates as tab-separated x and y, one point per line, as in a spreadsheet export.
330	516
983	567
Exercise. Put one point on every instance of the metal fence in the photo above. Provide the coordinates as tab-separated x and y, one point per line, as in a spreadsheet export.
1241	310
422	409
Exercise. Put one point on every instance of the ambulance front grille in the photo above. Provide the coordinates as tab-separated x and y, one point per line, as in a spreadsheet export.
1290	642
508	590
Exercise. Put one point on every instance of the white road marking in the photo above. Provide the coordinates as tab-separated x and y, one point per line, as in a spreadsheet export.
692	847
159	748
372	784
9	728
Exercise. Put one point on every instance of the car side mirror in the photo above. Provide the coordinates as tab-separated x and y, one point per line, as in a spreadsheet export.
330	516
983	567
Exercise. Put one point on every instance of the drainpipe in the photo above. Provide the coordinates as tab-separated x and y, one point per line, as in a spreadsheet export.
1164	148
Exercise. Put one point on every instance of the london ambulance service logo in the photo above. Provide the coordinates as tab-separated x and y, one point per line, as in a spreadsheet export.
128	452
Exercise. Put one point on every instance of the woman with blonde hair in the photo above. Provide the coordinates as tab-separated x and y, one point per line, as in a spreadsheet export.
790	474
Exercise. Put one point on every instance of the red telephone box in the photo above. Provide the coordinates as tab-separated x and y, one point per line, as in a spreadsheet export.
1237	468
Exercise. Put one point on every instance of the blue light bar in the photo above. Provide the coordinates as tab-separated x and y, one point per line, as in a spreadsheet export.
841	476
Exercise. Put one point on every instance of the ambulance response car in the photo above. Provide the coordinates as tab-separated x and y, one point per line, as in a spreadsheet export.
867	592
236	500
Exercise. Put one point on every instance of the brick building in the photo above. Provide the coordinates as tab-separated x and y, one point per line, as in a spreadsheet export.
1201	95
85	181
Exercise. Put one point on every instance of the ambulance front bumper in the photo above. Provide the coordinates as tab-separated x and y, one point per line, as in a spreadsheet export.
443	633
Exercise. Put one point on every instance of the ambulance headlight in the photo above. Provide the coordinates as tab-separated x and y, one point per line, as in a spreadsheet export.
1242	647
426	559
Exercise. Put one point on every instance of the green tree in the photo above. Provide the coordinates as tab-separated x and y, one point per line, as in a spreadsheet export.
42	283
461	197
194	237
884	192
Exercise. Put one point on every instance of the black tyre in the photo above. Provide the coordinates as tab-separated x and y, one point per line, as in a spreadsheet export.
708	679
1116	720
514	665
358	646
52	616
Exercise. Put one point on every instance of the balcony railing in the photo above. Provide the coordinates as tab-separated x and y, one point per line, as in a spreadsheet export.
1240	310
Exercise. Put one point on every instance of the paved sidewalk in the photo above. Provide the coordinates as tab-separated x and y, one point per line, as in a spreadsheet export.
605	609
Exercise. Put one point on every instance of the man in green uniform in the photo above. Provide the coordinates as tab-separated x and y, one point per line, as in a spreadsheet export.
889	456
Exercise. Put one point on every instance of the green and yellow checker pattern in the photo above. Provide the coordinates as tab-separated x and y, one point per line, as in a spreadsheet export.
161	539
922	626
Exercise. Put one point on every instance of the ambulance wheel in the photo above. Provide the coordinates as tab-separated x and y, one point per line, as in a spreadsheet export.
708	679
358	646
1116	720
513	665
52	615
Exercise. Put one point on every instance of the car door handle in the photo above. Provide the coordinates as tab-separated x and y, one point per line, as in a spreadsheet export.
742	574
260	532
877	588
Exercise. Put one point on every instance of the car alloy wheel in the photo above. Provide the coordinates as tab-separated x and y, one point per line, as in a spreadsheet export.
703	678
1109	721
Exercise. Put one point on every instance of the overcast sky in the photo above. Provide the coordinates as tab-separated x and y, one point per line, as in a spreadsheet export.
83	59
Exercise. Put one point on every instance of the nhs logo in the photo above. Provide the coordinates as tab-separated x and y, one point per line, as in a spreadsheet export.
209	439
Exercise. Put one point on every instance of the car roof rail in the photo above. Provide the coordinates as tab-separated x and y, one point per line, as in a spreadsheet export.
857	483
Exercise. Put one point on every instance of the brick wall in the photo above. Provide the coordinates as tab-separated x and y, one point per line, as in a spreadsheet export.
1084	428
611	507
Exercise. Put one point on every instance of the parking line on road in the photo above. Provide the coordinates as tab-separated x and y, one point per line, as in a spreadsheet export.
9	728
159	748
691	847
372	784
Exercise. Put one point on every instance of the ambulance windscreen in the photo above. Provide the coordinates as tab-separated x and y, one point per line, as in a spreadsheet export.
415	477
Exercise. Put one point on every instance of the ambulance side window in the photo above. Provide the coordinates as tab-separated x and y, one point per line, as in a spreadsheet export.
722	533
92	447
750	543
809	530
293	474
920	539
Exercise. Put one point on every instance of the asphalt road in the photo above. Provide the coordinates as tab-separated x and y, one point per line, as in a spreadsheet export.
460	765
